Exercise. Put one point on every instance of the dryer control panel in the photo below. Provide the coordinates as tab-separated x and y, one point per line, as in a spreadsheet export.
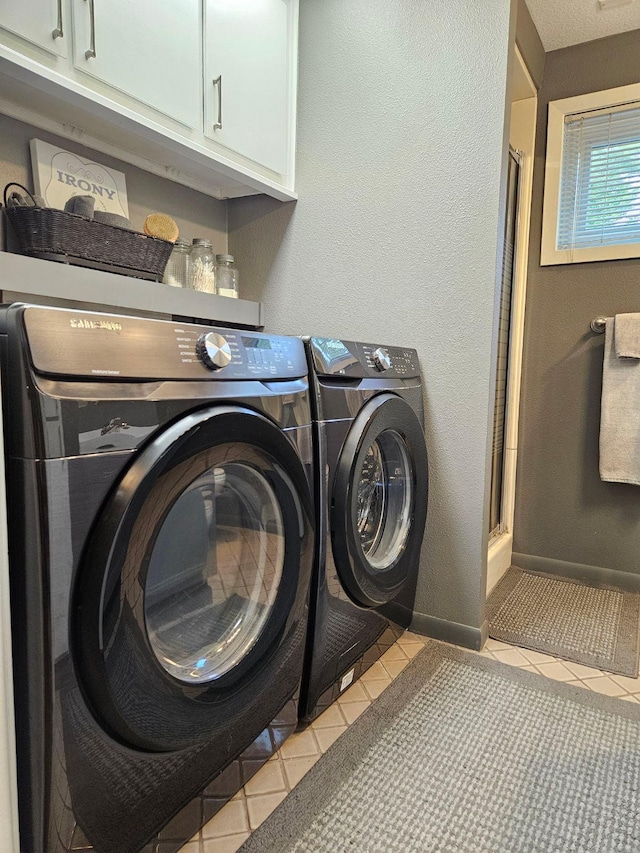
110	346
333	357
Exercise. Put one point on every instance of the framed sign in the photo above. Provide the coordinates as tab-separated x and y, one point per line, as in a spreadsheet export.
58	175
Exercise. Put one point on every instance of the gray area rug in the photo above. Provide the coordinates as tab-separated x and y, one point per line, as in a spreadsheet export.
596	626
462	754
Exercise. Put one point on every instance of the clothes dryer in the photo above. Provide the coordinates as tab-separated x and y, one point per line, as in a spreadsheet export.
371	490
160	555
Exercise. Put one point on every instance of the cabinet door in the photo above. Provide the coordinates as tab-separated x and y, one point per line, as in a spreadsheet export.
38	21
148	50
250	72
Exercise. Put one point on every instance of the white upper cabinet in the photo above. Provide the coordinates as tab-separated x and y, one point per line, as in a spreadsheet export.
200	91
250	60
147	49
40	22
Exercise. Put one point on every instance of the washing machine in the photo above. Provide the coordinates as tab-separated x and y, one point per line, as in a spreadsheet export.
160	554
371	491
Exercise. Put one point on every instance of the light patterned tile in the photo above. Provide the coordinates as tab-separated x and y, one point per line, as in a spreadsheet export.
192	846
395	667
581	671
375	672
513	657
260	807
410	637
296	768
556	670
267	780
326	737
355	693
331	717
495	645
605	685
396	652
375	688
299	745
536	657
353	710
230	844
231	819
631	685
412	649
630	699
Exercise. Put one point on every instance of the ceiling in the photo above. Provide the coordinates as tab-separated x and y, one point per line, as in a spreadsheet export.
561	23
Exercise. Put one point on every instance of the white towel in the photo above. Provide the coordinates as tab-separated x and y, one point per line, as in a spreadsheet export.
620	413
627	335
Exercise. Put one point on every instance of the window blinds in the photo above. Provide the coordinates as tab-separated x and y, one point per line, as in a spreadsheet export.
600	179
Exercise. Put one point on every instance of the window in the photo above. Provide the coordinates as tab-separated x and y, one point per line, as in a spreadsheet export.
592	180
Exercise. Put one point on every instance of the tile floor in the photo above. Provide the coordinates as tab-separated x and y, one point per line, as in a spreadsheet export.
233	824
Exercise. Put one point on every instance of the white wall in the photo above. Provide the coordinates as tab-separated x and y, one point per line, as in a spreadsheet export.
401	141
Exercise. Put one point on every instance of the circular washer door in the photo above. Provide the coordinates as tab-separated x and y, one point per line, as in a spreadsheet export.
192	577
379	501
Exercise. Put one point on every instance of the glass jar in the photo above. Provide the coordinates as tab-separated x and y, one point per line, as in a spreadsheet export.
226	276
176	273
202	273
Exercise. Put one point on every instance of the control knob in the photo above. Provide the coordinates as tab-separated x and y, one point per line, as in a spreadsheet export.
381	358
213	351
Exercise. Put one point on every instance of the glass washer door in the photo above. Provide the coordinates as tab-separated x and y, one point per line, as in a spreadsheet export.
379	501
194	577
384	496
214	573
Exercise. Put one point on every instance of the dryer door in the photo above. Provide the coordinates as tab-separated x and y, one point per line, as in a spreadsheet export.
379	501
193	587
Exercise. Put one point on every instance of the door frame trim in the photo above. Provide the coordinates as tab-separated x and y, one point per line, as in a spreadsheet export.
500	546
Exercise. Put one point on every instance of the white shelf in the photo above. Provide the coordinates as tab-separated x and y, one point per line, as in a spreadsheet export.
47	282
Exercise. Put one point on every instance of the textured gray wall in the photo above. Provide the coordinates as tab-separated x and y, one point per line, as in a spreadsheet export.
400	161
197	215
563	511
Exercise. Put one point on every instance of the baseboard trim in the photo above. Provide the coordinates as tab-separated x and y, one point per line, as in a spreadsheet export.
450	632
595	575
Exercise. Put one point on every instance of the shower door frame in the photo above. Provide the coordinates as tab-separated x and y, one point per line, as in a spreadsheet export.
522	140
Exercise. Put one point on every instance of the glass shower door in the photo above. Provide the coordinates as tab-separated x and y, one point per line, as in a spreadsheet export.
496	525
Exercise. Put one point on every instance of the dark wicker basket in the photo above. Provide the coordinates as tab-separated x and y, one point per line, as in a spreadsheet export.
44	232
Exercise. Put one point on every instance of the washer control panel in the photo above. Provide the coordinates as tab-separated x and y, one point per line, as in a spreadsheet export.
381	358
213	350
333	357
110	346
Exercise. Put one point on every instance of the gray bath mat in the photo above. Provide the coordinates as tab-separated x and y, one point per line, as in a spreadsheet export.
462	754
596	626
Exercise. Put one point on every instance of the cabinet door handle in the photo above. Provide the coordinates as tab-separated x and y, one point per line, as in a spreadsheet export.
57	33
218	85
91	53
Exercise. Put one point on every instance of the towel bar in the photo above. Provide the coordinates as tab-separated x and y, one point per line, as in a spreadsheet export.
598	325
